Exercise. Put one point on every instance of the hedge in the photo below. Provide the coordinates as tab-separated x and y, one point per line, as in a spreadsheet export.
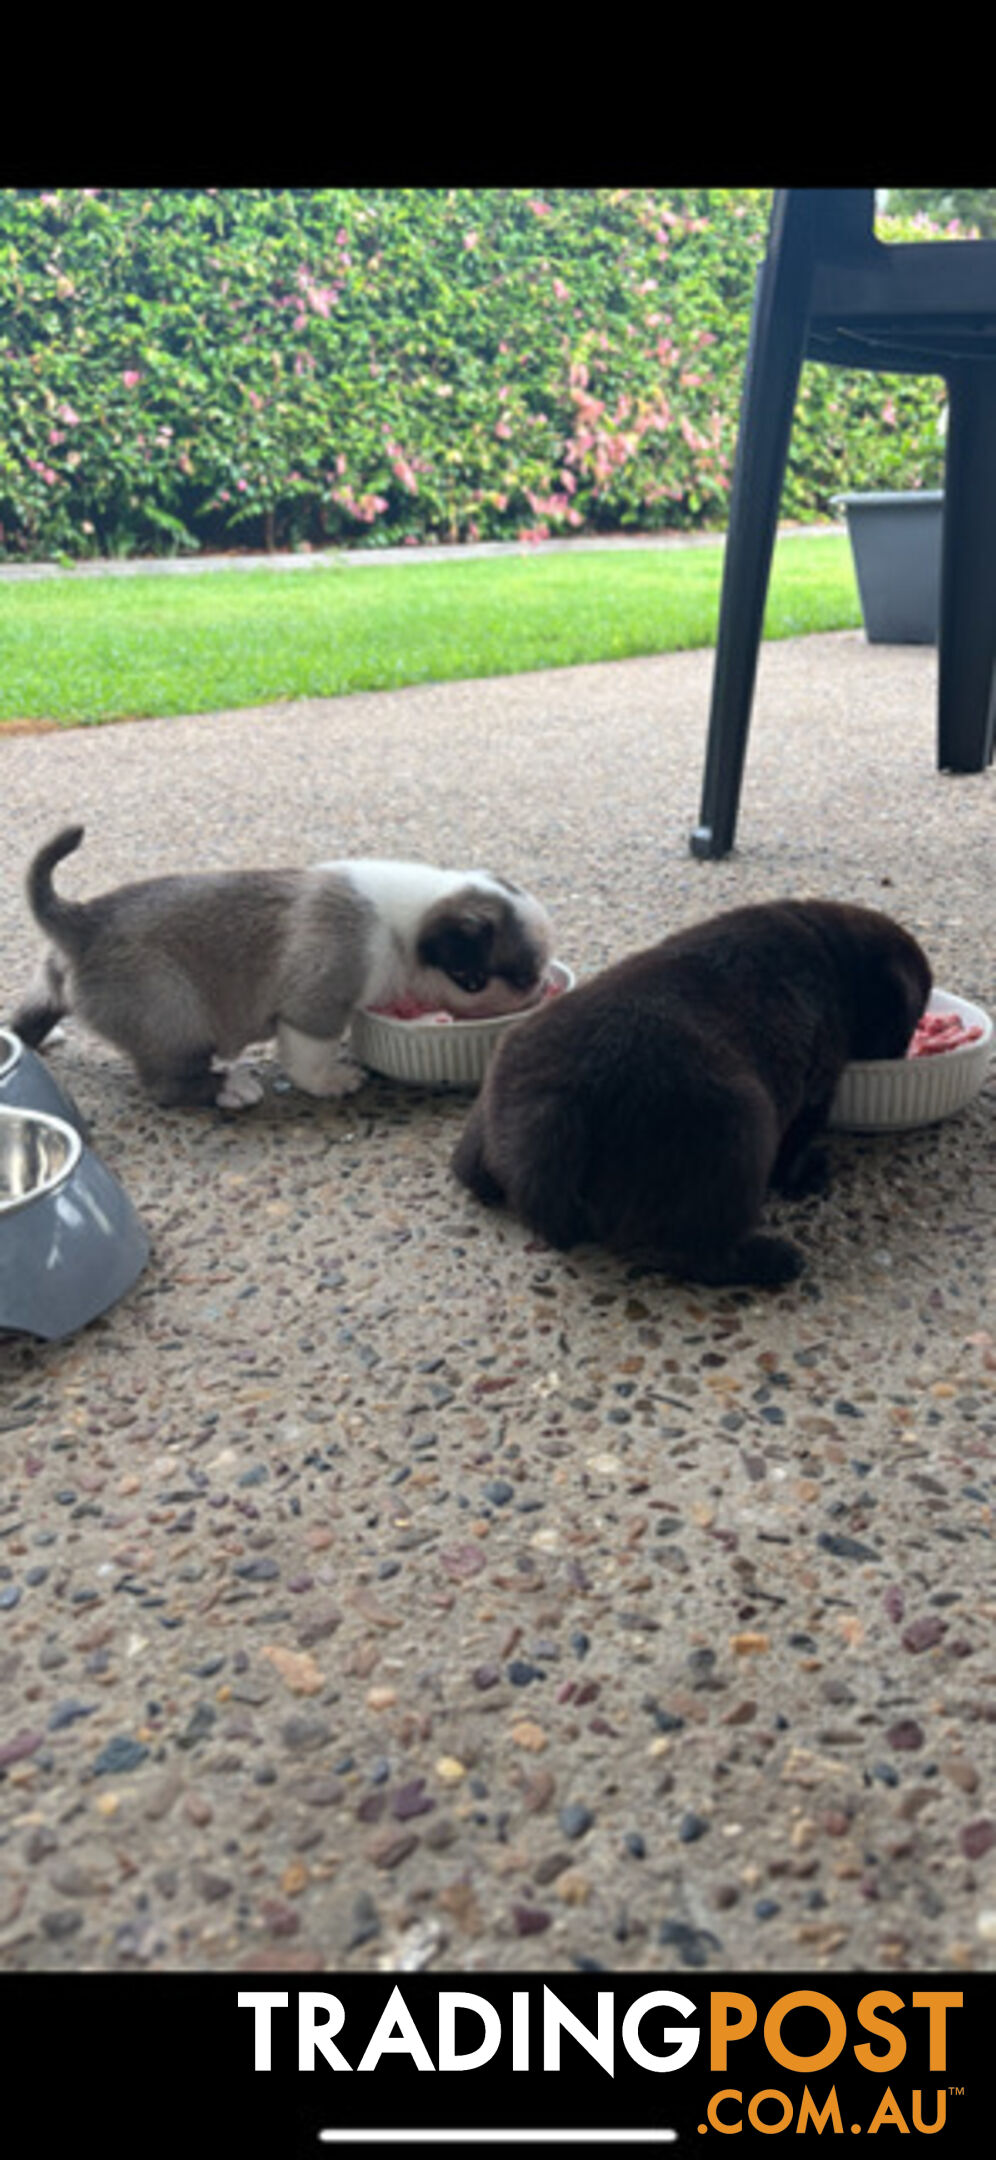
182	369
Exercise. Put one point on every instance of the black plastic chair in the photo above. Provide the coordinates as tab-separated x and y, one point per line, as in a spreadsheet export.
829	290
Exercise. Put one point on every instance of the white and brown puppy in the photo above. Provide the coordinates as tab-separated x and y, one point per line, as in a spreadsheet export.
652	1109
182	971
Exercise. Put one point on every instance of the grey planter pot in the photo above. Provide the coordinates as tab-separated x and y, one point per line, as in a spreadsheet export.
896	544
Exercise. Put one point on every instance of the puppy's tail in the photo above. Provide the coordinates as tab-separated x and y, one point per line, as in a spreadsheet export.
62	920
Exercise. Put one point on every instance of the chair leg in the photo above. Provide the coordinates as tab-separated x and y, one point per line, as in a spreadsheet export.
774	362
966	702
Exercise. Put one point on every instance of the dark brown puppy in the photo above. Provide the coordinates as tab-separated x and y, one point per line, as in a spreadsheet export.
651	1109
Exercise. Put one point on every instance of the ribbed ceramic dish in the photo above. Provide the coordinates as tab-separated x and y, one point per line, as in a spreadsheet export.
895	1094
437	1053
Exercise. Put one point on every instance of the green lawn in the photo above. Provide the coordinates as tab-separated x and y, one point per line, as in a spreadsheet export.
78	649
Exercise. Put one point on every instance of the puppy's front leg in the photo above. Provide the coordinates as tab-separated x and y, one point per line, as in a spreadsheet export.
317	1066
802	1165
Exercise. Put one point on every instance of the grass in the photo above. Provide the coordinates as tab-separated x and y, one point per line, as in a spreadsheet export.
85	649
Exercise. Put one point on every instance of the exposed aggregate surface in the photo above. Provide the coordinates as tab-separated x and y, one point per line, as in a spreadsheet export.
379	1589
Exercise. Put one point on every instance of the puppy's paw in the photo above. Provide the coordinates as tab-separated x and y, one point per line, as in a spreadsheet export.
340	1078
346	1081
767	1261
318	1066
239	1089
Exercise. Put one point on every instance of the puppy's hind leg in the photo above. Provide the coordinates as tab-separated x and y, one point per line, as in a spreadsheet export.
468	1164
181	1080
537	1161
44	1005
316	1065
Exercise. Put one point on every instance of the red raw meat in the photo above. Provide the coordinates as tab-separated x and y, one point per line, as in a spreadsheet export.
939	1031
407	1008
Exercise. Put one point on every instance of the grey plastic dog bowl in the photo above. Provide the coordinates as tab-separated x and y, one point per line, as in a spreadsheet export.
70	1241
896	543
27	1084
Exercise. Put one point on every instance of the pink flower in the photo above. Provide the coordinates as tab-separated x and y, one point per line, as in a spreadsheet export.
502	428
131	378
538	208
560	289
470	240
889	413
68	416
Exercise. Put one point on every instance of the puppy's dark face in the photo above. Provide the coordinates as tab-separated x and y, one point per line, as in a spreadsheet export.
885	973
482	952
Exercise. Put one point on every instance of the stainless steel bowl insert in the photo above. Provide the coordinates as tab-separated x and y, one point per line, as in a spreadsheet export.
71	1243
37	1153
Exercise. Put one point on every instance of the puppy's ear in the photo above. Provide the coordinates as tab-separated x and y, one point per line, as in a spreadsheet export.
461	946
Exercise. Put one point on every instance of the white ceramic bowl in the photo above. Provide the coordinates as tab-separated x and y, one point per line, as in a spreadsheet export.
437	1053
894	1094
